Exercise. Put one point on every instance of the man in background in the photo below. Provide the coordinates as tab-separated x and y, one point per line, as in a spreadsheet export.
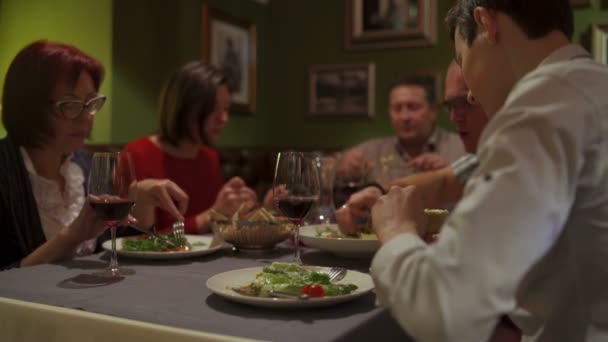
418	145
439	187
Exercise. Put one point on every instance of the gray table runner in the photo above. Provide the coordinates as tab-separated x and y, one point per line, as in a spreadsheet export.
173	293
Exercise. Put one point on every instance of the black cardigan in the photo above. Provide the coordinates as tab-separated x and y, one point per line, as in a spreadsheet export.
20	228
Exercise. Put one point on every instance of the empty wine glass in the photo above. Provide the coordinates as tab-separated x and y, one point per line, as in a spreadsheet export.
112	195
296	189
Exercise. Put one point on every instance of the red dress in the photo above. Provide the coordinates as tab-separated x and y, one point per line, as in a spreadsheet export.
200	178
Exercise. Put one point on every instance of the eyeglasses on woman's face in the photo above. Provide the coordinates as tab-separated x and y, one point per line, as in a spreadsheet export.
72	109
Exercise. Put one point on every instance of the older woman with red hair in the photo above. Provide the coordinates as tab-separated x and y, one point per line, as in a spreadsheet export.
51	94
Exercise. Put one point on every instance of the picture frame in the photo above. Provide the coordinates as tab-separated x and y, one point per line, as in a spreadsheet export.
377	24
599	42
342	90
230	44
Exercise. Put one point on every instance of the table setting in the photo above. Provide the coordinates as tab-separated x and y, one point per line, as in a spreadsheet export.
188	284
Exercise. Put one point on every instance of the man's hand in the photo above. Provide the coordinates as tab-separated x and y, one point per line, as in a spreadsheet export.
400	211
353	165
356	209
427	161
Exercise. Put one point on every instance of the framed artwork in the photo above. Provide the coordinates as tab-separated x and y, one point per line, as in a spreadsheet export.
341	89
580	3
599	43
230	45
372	24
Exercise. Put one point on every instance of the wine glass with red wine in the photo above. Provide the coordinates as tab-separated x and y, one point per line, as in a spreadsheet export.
112	194
296	189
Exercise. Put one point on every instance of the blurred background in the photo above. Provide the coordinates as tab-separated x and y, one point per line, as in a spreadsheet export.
141	41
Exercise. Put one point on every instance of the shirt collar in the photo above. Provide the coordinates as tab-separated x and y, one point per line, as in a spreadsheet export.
430	146
29	166
566	52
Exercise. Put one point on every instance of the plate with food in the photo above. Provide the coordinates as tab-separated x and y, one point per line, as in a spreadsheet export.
259	286
148	247
328	237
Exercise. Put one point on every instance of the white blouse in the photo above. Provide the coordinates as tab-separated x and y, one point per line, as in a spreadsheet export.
57	208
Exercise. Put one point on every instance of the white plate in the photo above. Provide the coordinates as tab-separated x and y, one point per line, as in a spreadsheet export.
193	239
347	247
222	284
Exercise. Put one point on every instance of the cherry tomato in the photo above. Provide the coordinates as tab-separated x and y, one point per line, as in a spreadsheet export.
313	290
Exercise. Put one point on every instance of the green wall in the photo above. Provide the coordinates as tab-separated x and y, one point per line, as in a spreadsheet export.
86	24
141	41
152	38
310	32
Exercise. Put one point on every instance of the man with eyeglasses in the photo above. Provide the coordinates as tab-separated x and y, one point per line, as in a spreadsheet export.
418	144
442	186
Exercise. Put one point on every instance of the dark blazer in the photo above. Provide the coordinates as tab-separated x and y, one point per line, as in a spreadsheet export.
20	228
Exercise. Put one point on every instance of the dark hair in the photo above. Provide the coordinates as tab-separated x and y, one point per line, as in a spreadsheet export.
426	82
190	93
536	18
30	80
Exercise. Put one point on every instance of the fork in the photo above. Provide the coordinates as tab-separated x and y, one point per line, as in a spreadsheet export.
336	273
156	235
178	232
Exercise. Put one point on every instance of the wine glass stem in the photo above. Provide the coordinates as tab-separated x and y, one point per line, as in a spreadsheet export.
296	241
113	259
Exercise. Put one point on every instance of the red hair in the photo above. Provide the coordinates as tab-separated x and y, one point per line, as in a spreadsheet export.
30	80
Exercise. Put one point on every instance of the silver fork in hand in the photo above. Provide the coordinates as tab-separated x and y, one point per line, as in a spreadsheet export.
178	232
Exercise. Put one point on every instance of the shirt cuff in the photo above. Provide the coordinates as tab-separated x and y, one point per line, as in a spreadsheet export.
393	249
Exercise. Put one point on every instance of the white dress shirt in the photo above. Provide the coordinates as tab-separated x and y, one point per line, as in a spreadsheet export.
532	228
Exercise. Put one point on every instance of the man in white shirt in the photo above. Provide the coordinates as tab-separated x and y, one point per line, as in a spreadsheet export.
531	231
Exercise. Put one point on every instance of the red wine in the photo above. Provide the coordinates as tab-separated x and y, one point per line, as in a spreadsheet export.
113	210
295	208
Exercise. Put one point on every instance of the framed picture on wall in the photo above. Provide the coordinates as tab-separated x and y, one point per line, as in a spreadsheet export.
599	43
230	45
341	89
372	24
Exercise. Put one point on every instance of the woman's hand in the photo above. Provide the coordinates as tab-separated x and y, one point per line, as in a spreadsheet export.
86	225
159	193
233	195
269	197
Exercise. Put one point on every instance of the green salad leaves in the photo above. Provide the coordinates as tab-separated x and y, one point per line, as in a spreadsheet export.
292	278
144	243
